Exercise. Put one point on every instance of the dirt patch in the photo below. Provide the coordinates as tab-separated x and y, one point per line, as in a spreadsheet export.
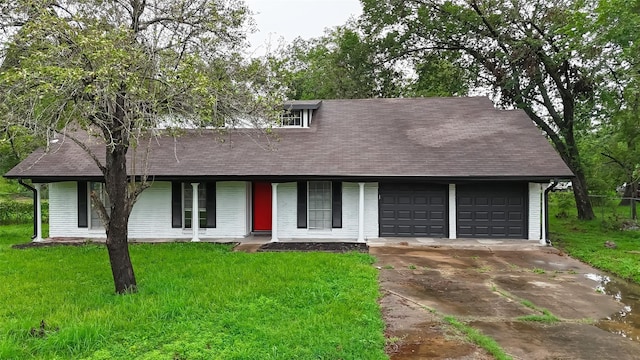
315	246
51	244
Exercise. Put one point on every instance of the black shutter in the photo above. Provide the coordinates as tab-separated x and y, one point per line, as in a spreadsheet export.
211	204
83	218
302	204
176	204
336	204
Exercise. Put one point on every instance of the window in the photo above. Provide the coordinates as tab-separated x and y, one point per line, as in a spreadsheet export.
187	205
101	193
292	118
320	205
182	205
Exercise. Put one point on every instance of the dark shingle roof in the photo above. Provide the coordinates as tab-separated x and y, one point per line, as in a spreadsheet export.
430	137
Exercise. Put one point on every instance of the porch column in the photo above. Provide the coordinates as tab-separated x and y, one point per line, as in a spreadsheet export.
361	213
543	215
274	212
453	226
38	219
195	213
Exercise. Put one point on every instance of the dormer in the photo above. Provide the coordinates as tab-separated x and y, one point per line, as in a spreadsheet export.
298	113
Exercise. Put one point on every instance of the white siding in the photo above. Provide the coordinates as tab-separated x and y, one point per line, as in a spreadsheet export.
63	212
452	212
151	215
535	211
287	214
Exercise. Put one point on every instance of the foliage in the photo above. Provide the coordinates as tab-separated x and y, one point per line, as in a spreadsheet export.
196	301
15	144
342	64
20	212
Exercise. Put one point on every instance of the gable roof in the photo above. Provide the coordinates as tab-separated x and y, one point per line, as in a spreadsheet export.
437	138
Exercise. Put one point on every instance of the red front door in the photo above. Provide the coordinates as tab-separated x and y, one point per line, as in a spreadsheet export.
261	206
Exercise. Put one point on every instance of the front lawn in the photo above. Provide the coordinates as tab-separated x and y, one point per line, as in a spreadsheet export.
196	301
585	240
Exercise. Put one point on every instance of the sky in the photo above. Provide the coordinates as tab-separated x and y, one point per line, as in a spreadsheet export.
283	20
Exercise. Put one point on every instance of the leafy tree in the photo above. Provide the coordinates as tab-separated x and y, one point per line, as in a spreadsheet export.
531	53
115	69
342	64
439	74
618	26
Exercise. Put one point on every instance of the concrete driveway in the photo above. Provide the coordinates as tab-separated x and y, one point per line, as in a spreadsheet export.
489	288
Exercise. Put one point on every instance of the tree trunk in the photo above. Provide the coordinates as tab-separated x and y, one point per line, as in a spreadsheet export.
626	196
634	196
580	193
569	153
117	229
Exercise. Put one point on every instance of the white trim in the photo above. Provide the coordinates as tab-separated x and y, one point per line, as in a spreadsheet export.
535	211
274	212
195	213
543	227
361	212
38	206
453	224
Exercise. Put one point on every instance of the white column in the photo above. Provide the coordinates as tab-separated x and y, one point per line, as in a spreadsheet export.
38	219
543	215
361	213
274	212
195	213
536	211
453	225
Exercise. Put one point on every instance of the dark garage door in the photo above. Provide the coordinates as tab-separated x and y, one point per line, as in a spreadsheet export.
413	210
491	211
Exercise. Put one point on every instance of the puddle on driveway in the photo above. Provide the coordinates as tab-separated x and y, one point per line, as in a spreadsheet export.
626	322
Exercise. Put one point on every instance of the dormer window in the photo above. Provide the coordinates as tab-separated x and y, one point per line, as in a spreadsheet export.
292	118
298	113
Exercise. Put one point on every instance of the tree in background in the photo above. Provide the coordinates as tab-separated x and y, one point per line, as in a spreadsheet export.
339	65
116	69
347	64
618	27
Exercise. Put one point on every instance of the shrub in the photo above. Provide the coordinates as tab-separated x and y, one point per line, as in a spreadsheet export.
19	212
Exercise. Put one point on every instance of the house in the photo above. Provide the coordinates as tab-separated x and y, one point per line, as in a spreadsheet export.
337	169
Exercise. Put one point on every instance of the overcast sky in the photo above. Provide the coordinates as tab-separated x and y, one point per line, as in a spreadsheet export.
285	20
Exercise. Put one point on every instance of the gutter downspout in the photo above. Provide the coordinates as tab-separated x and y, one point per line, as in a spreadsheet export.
545	216
35	208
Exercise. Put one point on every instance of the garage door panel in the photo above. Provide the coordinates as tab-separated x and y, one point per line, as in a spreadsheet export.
515	216
413	209
491	210
420	200
420	215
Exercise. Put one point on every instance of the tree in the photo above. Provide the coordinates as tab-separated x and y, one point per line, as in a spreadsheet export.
116	69
617	28
342	64
531	53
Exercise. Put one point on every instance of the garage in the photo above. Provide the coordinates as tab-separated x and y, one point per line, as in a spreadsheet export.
416	210
491	210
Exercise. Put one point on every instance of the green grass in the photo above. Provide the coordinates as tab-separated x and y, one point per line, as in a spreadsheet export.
585	240
195	301
478	338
